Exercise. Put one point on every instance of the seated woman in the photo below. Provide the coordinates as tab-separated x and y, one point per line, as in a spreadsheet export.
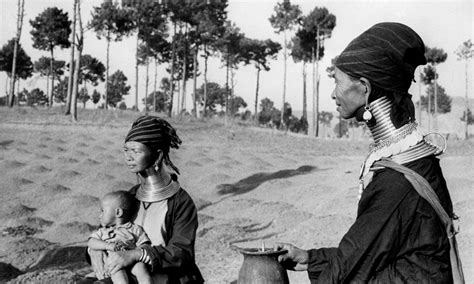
397	236
167	212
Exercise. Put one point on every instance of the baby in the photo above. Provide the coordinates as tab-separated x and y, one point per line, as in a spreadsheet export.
118	232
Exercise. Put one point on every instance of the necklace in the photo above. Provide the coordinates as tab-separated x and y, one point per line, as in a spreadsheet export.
150	192
402	145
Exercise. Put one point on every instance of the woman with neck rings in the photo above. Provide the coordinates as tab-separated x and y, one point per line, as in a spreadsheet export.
397	236
167	212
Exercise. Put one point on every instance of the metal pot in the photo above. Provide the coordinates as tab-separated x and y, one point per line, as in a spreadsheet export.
262	267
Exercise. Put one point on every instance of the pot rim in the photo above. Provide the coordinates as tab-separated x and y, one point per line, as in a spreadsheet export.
258	251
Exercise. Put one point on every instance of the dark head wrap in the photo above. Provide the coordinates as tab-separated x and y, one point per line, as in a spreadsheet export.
387	55
155	133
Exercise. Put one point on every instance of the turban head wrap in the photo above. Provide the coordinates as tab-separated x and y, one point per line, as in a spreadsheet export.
386	54
156	134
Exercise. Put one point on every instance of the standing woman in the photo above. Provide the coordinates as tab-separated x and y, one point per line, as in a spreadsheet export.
398	236
167	212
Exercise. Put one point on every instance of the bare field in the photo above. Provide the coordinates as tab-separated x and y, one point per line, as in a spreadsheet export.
250	185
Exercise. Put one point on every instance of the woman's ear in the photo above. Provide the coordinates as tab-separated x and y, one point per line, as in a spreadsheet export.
366	83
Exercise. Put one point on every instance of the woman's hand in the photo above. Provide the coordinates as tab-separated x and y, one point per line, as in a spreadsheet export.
120	259
295	259
97	262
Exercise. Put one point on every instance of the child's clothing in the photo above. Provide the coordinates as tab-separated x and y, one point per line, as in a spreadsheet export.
127	236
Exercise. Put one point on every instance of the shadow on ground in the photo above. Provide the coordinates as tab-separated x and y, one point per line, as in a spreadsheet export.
71	258
250	183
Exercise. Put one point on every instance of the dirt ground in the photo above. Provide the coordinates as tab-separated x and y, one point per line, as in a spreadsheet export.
250	186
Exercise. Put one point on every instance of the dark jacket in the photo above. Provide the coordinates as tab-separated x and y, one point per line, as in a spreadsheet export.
396	238
177	259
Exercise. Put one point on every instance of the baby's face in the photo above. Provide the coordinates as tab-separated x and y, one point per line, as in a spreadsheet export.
107	214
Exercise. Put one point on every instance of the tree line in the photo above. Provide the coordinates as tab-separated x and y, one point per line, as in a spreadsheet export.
181	35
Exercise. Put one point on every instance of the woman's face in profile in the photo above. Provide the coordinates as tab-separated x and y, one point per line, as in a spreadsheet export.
137	156
348	94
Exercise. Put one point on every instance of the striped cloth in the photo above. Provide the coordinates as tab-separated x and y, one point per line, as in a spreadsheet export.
387	55
154	132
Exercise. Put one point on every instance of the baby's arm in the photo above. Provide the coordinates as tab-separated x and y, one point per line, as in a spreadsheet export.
97	244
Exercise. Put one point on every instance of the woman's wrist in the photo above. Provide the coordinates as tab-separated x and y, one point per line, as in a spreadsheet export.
138	254
144	257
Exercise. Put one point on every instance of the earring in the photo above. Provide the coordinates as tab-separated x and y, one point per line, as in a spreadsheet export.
156	166
367	115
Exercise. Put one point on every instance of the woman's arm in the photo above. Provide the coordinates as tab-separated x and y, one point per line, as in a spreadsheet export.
374	239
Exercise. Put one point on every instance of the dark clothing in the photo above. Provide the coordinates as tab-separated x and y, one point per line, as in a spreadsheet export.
176	259
396	238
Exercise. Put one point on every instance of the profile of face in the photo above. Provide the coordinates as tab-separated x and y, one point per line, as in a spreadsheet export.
349	94
137	156
108	214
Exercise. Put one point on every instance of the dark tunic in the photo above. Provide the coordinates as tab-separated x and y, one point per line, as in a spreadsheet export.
176	259
396	238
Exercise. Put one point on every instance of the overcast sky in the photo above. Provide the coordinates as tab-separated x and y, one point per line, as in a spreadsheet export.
440	24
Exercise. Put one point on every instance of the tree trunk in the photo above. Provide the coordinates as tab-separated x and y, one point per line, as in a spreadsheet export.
185	62
107	72
284	78
467	103
136	75
226	90
178	91
19	25
173	55
85	89
196	50
50	95
305	106
316	98
18	91
13	76
71	62
178	97
313	132
77	67
256	94
75	85
47	84
7	98
205	79
146	85
435	115
154	85
231	92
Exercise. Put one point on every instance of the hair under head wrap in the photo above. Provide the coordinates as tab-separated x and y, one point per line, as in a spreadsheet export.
386	54
156	134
